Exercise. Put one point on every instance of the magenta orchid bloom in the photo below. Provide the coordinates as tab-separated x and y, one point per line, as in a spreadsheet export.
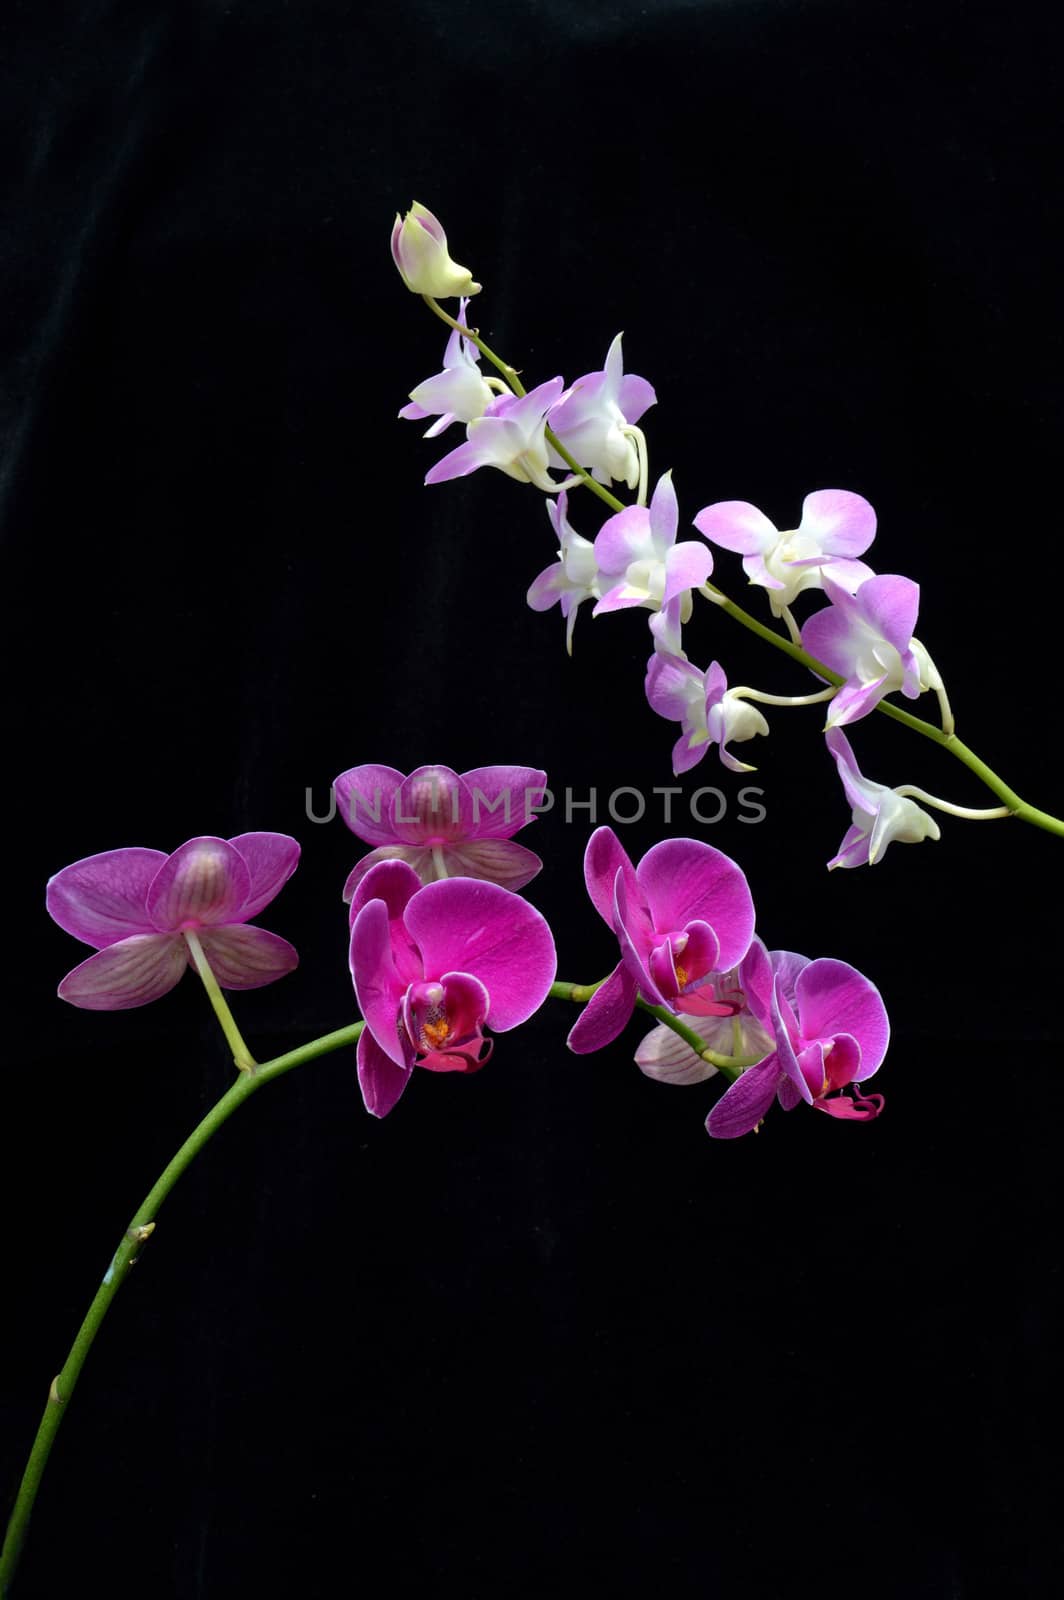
682	917
510	435
573	577
831	1031
880	815
867	638
637	549
457	394
434	966
135	907
708	712
836	527
441	823
593	418
419	250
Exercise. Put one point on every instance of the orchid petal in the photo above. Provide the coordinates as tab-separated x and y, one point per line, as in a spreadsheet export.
833	997
103	898
606	1013
684	880
381	1079
604	857
365	799
244	957
501	861
378	985
461	925
130	973
742	1108
736	525
842	523
204	883
271	859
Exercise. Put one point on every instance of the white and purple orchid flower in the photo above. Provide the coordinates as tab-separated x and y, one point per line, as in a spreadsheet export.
880	815
835	529
419	250
135	906
459	393
682	916
831	1033
668	1058
443	824
867	638
706	709
573	577
435	965
510	435
595	416
636	548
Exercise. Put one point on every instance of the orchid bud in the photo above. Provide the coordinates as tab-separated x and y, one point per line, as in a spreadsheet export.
419	249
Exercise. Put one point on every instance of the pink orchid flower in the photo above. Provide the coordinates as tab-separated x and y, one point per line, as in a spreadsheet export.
573	577
135	907
511	434
593	417
458	393
880	815
836	527
441	823
831	1031
682	916
637	549
434	966
867	638
706	709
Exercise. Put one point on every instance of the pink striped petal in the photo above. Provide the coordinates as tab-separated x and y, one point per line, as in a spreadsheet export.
605	1014
501	861
103	898
665	1056
271	859
364	800
504	799
130	973
461	925
381	1079
243	957
204	883
419	861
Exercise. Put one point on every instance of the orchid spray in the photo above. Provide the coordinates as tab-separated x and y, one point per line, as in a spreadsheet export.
447	955
861	647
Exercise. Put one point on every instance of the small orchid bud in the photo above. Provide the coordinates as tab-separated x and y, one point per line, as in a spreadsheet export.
419	249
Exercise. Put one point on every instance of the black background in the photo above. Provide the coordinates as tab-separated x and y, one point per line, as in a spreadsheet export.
534	1332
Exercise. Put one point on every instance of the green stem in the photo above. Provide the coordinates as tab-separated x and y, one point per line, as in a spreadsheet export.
948	741
245	1061
140	1228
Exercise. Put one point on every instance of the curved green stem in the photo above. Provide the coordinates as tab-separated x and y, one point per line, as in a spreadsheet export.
140	1229
242	1056
948	741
